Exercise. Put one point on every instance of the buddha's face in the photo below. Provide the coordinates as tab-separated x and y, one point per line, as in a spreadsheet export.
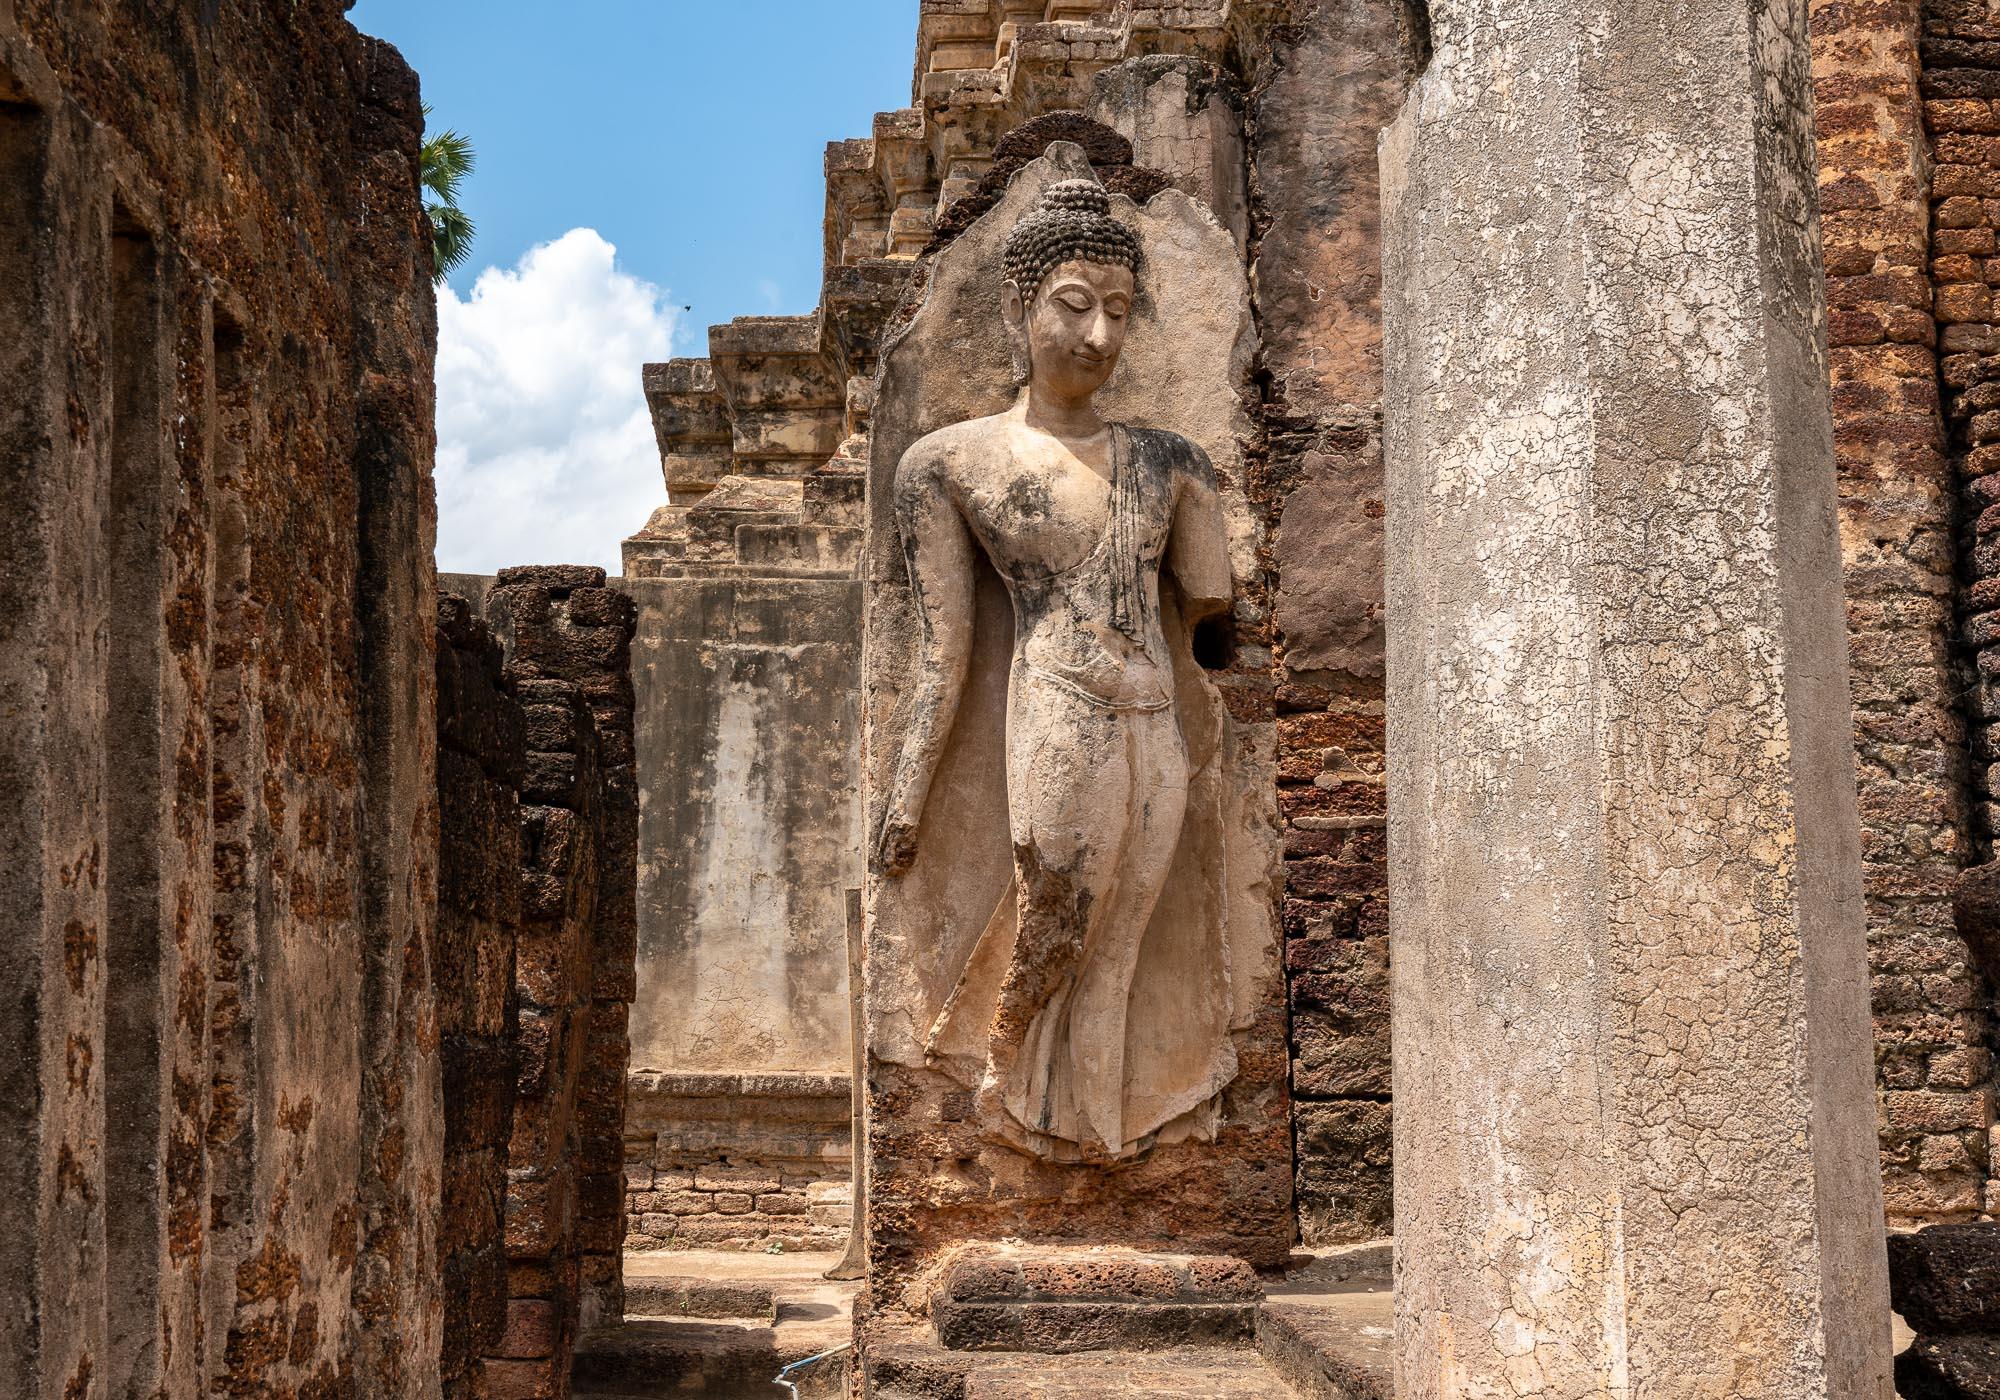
1075	327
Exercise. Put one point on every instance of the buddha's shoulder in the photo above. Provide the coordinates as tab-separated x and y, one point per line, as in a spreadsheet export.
956	437
1168	452
950	447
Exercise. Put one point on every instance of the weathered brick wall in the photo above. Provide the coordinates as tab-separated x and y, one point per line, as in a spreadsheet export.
568	645
396	1290
1331	79
608	619
216	876
481	758
737	1161
1934	1005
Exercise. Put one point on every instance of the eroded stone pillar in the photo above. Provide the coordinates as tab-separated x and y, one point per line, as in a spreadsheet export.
1634	1116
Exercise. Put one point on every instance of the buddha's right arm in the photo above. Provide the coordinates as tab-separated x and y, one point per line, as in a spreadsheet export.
938	549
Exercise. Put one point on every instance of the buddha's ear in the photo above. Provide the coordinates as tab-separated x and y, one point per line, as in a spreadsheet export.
1013	306
1014	311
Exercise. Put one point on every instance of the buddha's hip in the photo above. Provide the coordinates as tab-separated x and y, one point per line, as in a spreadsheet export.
1095	663
1091	758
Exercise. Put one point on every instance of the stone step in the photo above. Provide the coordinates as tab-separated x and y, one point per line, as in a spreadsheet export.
1341	1351
717	1324
1020	1299
1132	1373
684	1356
1059	1328
918	1372
1328	1326
669	1297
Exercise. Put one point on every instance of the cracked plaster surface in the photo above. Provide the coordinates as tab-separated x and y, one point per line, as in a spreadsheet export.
1634	1119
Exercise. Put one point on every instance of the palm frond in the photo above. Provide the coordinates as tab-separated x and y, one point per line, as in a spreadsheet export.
452	232
444	161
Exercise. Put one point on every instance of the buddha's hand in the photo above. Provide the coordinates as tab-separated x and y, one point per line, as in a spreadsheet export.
896	843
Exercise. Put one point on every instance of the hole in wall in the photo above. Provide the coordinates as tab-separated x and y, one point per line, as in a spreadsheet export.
1415	27
1215	642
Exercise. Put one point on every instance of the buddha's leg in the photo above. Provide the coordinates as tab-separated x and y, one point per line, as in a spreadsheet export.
1067	791
1095	798
1098	1012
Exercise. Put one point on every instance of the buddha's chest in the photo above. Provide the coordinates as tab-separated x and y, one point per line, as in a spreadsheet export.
1038	514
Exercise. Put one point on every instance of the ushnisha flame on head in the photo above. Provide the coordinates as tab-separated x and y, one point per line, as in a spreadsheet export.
1072	223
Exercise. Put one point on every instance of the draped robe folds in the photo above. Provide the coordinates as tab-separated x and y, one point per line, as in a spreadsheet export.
1095	1049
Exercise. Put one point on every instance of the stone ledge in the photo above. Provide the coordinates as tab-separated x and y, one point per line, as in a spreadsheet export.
663	1084
1338	1350
688	1356
1061	1328
1327	1326
1053	1300
700	1297
902	1363
1007	1274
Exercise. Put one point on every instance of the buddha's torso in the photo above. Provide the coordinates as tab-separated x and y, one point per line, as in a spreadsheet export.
1077	532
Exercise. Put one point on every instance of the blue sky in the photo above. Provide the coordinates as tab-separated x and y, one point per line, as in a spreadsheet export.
687	132
645	168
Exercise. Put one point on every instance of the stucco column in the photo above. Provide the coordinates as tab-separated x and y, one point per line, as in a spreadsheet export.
1635	1147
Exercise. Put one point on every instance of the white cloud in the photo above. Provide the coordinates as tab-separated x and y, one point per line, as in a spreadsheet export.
545	450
